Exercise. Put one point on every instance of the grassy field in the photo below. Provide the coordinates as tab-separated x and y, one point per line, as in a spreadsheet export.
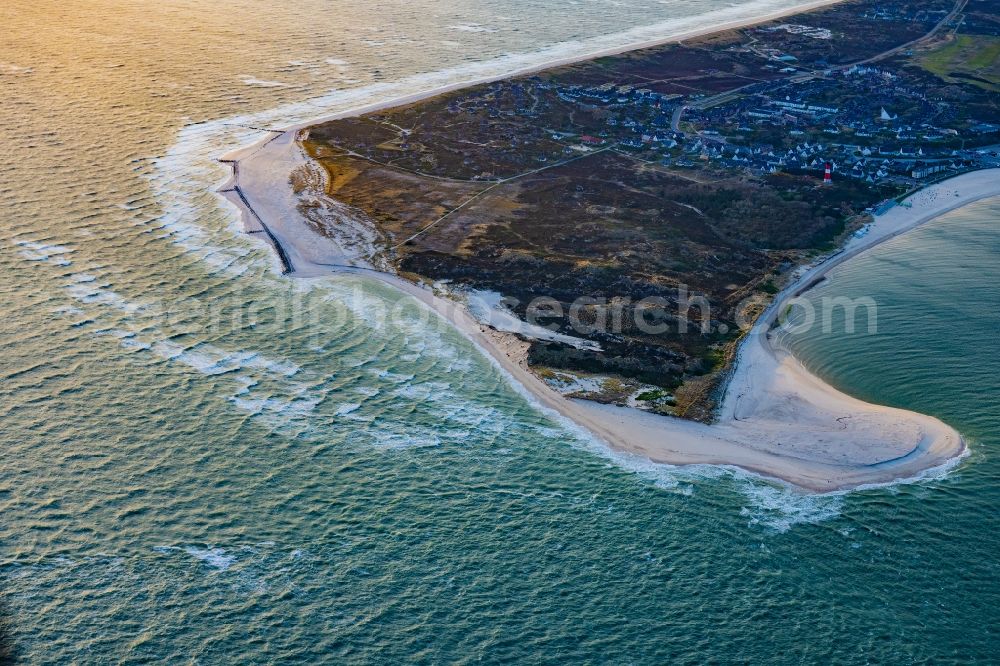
973	59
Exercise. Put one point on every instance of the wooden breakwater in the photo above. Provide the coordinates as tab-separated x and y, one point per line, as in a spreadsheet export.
252	216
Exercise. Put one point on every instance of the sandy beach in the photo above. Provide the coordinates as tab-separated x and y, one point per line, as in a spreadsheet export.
776	419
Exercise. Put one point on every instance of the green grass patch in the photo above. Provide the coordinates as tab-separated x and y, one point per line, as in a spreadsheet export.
974	58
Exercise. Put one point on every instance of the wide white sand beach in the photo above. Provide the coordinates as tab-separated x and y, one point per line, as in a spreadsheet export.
777	419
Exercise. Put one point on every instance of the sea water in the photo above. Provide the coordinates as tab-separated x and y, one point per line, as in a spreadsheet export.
203	460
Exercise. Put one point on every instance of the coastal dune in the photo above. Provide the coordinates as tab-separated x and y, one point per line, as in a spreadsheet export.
776	419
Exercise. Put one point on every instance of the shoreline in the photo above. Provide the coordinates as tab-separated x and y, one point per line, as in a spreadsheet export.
240	153
981	184
776	419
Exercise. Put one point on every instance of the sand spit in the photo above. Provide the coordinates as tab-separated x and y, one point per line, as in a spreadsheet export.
777	419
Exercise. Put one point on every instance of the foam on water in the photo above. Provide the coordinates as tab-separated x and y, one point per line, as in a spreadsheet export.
347	408
473	27
217	558
11	68
262	83
393	377
772	505
245	385
92	295
53	254
781	508
391	440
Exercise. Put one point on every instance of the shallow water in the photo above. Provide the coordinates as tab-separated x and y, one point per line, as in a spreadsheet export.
203	460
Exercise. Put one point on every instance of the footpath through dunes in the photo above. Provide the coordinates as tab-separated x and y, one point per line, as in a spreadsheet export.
777	420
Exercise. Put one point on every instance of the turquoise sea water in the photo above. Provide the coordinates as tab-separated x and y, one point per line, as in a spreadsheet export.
203	461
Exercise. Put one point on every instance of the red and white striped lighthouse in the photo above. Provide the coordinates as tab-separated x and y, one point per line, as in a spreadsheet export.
828	174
